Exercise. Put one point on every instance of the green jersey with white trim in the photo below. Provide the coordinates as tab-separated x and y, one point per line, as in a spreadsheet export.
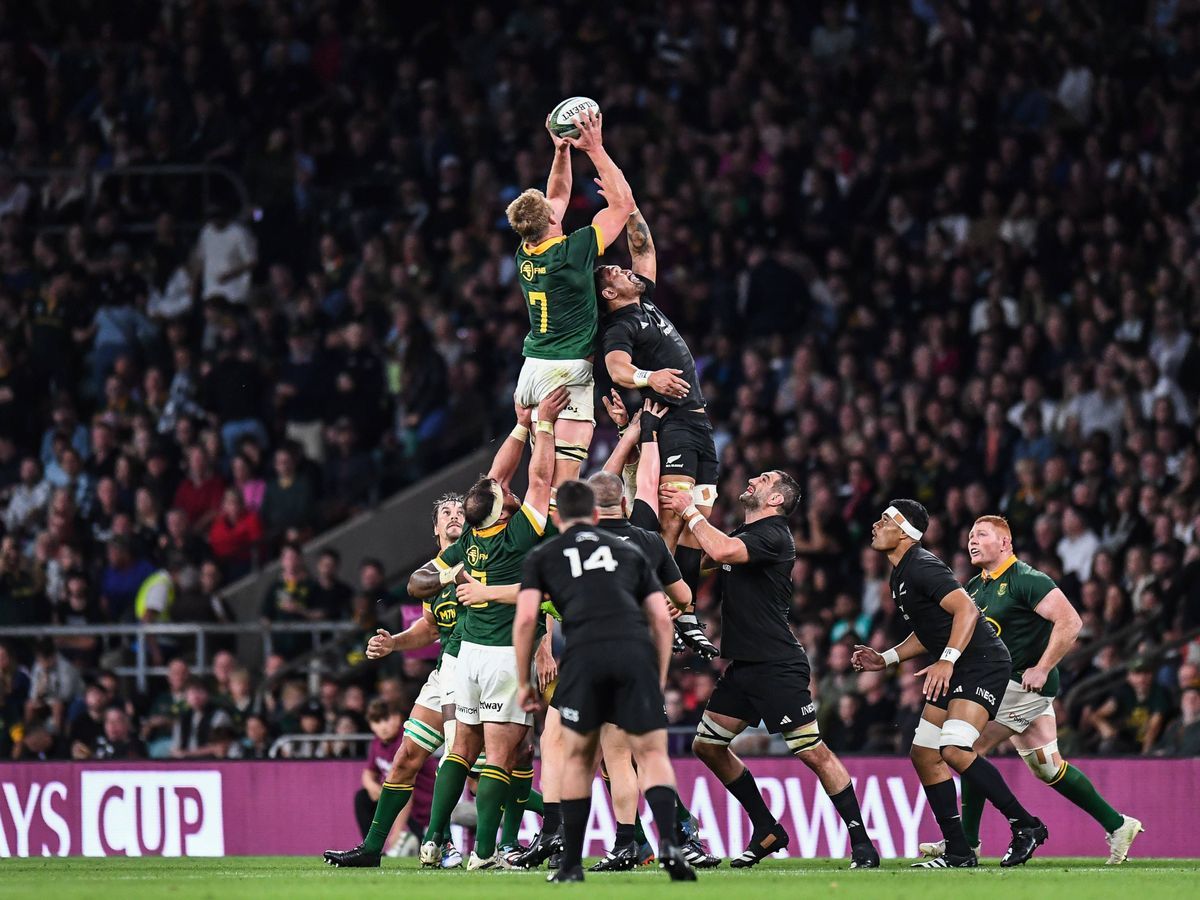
560	294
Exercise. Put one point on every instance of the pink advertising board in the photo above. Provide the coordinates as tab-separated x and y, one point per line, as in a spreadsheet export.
286	807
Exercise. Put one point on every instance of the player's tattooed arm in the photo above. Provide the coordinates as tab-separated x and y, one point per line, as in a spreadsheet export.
641	246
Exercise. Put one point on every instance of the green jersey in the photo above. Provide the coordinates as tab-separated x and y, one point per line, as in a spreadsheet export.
560	294
1008	598
493	555
444	609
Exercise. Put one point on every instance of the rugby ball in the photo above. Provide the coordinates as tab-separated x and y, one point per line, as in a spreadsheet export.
561	115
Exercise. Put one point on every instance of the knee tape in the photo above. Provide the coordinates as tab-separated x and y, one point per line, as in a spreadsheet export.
1045	762
448	729
927	735
958	733
573	452
704	494
806	737
424	736
709	732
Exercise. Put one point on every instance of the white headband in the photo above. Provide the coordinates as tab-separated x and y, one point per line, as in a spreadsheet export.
898	517
497	507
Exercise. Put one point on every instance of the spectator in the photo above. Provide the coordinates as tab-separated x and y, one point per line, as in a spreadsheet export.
28	500
1182	737
199	494
289	599
257	741
235	534
330	593
226	255
1132	720
1078	545
194	736
387	725
289	503
21	586
53	684
118	741
88	725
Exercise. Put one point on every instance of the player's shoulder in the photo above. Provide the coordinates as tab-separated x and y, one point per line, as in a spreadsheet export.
1024	570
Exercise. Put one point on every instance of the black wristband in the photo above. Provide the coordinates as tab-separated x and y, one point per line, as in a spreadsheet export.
650	425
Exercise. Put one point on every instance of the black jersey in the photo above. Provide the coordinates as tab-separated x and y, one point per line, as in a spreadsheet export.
653	343
662	563
756	595
643	516
919	583
597	582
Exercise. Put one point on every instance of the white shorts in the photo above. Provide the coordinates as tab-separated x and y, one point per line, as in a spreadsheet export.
1020	707
486	686
449	670
540	377
431	692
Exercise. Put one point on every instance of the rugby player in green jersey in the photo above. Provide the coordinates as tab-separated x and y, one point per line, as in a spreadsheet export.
432	713
554	271
1038	625
485	562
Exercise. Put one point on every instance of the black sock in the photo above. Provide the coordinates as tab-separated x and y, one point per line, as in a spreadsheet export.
987	780
551	818
625	834
688	560
662	806
846	803
943	802
745	790
575	815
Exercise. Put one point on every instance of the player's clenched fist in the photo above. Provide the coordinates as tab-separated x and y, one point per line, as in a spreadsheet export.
381	644
864	659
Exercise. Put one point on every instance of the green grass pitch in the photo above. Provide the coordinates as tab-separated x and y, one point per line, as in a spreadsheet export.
299	878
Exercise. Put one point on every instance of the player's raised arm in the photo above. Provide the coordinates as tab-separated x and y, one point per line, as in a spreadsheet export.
420	633
558	185
719	546
512	448
615	190
541	464
650	465
641	246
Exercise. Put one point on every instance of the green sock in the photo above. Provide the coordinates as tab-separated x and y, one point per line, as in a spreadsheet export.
1078	788
515	805
392	799
972	812
494	785
534	803
447	789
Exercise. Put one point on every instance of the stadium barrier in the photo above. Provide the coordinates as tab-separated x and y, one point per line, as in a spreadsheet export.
303	808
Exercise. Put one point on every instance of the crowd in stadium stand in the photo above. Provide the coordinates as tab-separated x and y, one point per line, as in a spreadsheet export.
944	249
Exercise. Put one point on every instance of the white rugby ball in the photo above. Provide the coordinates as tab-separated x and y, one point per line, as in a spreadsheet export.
561	115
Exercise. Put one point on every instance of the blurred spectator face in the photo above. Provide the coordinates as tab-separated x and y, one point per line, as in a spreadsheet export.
223	665
177	675
391	691
197	697
291	564
95	698
232	505
177	524
1140	680
31	471
674	703
1189	706
839	658
239	684
273	664
256	730
330	694
370	578
847	707
116	725
327	566
210	577
387	729
285	466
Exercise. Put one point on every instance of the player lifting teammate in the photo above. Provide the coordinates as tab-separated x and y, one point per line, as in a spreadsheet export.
962	687
486	562
1038	625
432	713
644	350
618	638
555	274
767	679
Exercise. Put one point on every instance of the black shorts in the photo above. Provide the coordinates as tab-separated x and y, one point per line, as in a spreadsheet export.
608	681
774	692
980	679
686	447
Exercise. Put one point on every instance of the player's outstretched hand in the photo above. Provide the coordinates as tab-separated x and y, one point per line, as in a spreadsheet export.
524	414
589	125
615	407
668	383
937	679
555	403
528	698
381	644
651	408
672	498
559	143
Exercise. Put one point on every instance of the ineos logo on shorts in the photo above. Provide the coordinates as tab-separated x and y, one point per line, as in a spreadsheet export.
571	715
811	708
986	695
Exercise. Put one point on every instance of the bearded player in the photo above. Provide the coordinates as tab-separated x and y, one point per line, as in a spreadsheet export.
1038	625
486	563
433	712
555	274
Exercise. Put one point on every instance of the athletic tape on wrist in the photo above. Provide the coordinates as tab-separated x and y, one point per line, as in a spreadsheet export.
520	432
545	427
951	655
445	576
641	378
890	657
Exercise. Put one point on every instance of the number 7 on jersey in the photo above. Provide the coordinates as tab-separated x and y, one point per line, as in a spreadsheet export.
537	298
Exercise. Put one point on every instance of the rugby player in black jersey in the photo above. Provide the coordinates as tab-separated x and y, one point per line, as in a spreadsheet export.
963	686
618	646
767	679
644	350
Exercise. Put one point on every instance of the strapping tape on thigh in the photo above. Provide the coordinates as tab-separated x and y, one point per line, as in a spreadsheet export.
709	732
806	737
